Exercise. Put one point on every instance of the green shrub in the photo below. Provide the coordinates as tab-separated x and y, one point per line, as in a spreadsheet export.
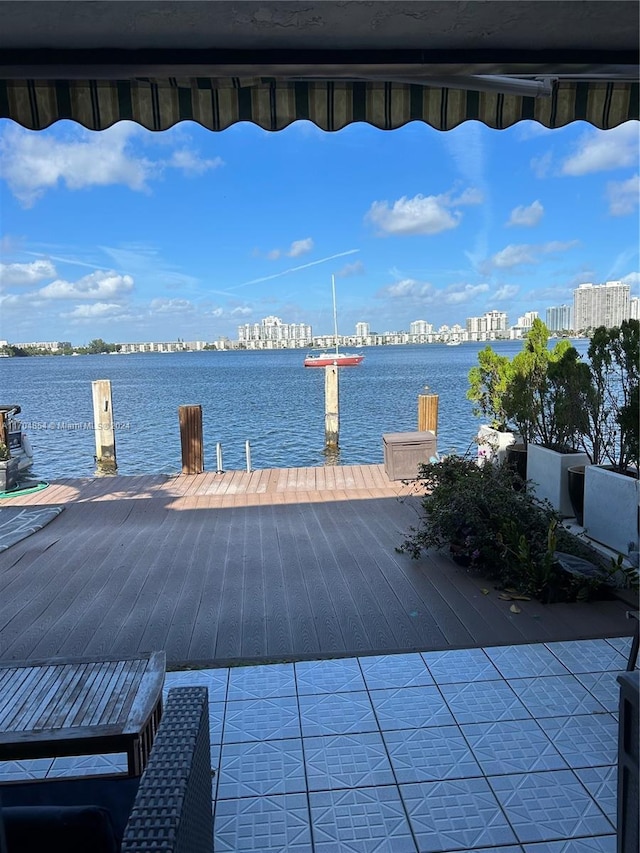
497	531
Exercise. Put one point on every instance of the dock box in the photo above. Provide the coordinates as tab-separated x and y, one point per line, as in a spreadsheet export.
404	451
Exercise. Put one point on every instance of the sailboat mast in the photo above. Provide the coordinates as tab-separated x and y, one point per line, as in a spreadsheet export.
335	311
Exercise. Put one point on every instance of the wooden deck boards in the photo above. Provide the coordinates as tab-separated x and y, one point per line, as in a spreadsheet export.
270	565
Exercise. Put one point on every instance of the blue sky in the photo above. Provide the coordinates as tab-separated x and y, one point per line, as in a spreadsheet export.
129	235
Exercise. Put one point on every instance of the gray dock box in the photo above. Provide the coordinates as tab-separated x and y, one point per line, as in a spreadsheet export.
404	451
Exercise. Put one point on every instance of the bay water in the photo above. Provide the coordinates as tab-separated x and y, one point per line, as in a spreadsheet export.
266	397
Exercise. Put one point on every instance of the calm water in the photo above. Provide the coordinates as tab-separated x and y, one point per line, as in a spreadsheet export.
265	397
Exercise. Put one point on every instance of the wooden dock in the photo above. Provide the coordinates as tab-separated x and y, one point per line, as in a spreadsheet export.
232	488
272	565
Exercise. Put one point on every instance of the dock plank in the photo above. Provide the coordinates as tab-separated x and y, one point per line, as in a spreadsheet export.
278	613
229	634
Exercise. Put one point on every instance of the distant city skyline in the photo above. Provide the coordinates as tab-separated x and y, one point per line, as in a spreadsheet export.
129	235
593	304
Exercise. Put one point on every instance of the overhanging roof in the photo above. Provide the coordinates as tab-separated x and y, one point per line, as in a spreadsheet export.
387	63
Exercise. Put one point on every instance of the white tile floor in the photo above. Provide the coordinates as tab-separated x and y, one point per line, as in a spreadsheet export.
500	750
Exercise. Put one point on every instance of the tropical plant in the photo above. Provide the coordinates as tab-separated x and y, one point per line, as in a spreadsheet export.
503	534
612	432
4	452
488	383
548	392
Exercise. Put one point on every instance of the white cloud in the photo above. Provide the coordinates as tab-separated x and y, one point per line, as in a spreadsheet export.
457	294
425	293
526	253
98	310
34	162
600	150
241	311
300	247
36	271
295	250
623	196
170	306
526	216
408	288
507	291
417	215
513	255
420	214
96	285
632	279
189	162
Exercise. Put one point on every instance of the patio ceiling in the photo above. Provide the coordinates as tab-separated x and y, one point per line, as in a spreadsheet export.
442	62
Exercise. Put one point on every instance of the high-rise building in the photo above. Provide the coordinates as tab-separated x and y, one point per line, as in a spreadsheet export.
492	321
526	321
272	333
496	321
363	330
600	305
634	308
420	327
559	318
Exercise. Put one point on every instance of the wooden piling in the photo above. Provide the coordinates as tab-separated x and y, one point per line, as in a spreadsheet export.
191	439
428	413
331	407
103	427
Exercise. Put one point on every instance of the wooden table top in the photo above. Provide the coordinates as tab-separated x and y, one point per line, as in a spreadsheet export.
62	699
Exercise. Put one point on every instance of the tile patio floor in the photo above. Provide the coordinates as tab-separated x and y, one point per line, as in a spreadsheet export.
509	748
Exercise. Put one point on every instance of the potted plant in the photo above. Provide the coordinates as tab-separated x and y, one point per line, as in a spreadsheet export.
8	469
488	382
611	489
546	398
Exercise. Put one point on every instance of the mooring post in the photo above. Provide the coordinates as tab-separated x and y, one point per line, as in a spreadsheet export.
247	450
219	468
331	407
428	413
191	439
103	427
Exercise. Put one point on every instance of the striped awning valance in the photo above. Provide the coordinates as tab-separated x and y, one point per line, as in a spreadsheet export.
216	104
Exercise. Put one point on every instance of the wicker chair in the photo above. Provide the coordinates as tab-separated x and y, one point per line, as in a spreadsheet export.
166	810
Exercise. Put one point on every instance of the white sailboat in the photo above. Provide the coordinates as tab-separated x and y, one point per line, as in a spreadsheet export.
337	358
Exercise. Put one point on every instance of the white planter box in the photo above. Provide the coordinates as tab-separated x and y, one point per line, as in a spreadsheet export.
611	508
492	444
547	469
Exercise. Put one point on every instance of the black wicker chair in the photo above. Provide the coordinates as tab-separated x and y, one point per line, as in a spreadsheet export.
166	810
